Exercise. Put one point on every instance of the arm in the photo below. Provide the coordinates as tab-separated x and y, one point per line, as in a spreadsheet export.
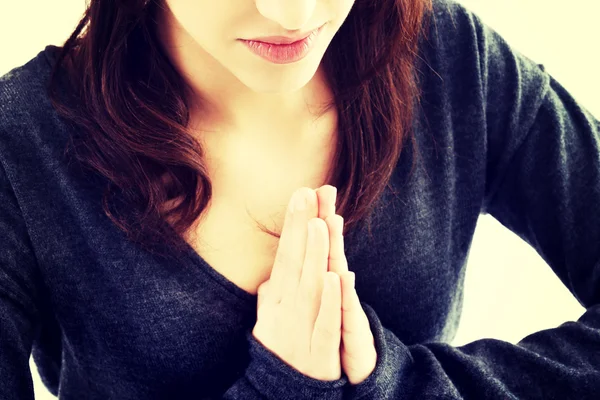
19	301
268	377
295	344
543	183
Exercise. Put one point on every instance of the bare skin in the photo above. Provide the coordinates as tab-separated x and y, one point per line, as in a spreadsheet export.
261	144
309	307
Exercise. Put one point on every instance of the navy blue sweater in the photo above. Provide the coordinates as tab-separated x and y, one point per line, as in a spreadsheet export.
496	134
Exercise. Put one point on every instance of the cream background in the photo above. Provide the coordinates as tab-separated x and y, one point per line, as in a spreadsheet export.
510	291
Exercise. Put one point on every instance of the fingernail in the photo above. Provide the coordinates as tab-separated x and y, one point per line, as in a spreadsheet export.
353	279
300	202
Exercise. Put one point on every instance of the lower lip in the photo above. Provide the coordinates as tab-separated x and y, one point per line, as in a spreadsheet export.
284	53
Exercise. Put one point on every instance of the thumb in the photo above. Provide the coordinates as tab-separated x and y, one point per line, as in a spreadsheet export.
262	292
356	332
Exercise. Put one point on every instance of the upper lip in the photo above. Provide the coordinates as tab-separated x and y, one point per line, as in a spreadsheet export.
283	39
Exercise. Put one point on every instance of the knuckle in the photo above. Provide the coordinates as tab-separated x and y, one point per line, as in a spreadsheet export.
348	331
336	258
305	191
319	223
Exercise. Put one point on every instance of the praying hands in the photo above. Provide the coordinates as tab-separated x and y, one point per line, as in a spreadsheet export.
309	313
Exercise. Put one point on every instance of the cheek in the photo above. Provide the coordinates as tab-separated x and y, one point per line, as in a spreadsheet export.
343	9
210	33
204	20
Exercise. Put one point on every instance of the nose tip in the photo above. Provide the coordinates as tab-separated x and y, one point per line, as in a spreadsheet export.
293	15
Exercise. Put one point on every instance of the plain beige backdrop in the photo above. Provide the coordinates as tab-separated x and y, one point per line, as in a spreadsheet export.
510	292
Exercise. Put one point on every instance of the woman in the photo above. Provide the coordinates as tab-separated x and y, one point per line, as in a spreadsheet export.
139	263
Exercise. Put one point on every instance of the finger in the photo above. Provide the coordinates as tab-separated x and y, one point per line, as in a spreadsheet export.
327	196
326	337
262	293
356	331
314	269
337	261
285	242
294	250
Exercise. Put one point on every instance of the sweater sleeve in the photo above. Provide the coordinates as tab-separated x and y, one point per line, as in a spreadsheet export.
19	302
269	377
542	183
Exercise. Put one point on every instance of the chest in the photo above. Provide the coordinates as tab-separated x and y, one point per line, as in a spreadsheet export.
168	331
253	179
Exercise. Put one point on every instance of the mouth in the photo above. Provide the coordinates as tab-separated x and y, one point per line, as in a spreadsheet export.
283	40
285	53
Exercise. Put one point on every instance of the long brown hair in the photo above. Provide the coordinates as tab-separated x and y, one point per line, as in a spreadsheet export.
130	102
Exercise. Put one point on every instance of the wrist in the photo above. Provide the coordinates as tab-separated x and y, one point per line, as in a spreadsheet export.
275	379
